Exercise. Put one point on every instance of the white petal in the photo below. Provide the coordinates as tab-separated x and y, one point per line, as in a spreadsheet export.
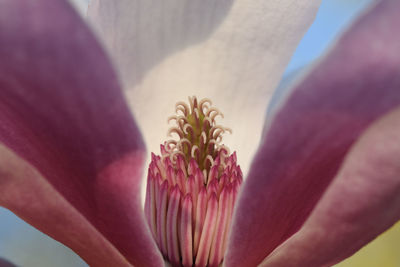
80	5
233	52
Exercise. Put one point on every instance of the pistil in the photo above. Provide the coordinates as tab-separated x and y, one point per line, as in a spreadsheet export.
192	187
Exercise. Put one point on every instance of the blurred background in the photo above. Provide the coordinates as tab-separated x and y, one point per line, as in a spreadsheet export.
27	247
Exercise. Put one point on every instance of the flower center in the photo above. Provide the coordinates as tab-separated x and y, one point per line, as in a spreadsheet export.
192	188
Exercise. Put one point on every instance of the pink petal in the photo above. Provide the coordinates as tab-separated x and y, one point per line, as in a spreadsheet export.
29	195
72	160
362	202
310	135
232	52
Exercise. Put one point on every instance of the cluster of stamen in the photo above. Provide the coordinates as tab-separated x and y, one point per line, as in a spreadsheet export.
192	188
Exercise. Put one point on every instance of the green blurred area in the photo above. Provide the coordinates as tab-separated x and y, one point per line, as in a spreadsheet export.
384	251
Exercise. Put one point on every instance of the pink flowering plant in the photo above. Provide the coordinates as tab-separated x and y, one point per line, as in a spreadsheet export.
324	178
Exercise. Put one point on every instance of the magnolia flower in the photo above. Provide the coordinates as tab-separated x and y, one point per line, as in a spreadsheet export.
325	178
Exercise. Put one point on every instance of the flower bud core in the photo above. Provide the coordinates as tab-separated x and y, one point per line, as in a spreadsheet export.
192	188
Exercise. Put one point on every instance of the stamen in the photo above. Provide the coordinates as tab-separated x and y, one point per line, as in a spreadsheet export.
171	178
192	187
208	231
152	207
172	226
200	216
216	252
186	231
229	216
162	218
180	180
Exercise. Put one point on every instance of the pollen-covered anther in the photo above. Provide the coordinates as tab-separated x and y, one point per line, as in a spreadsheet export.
192	188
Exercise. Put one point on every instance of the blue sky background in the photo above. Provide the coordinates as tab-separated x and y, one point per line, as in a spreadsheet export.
332	18
27	247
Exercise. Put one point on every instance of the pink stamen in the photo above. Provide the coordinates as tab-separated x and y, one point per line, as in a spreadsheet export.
191	190
229	220
186	232
200	216
208	231
162	218
181	181
152	209
216	253
172	226
180	162
171	175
